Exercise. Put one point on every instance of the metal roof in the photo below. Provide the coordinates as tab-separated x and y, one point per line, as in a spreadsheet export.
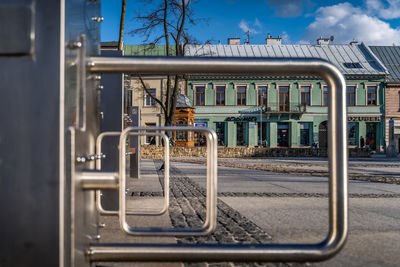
183	101
390	57
369	64
148	50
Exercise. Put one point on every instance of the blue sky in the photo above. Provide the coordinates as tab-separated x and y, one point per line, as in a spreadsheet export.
375	22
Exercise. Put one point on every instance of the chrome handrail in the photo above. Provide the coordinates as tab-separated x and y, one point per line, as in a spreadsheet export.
211	197
337	155
164	209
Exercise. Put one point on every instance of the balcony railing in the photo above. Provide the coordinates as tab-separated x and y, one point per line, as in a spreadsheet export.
285	108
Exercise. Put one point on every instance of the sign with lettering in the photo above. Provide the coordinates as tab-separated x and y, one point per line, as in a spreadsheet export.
362	118
241	119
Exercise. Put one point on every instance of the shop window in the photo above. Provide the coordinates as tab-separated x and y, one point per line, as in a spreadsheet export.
352	133
371	135
220	131
199	138
372	95
351	95
305	99
220	96
241	95
262	95
200	95
148	100
283	98
305	133
325	96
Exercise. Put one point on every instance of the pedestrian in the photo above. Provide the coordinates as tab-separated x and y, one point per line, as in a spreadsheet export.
265	143
367	142
362	142
171	142
152	140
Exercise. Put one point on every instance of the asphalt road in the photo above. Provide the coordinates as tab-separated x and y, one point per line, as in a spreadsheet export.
271	207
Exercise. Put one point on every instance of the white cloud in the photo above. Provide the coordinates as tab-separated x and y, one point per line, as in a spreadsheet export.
286	38
389	9
245	27
348	23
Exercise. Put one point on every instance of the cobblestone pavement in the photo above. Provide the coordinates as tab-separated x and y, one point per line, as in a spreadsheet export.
187	208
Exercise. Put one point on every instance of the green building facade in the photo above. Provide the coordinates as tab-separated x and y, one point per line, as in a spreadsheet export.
290	111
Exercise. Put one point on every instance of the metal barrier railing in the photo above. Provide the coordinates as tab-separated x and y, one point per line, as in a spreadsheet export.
99	206
211	198
337	155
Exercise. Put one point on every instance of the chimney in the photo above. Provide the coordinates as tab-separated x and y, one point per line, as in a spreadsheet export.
354	42
233	41
325	41
273	41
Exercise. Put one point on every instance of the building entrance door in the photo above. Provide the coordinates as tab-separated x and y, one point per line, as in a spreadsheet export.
241	134
220	131
283	134
323	134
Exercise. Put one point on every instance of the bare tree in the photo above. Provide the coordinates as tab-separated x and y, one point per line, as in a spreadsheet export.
166	22
121	26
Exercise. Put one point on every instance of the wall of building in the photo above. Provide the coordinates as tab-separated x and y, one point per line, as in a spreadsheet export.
361	115
392	110
150	115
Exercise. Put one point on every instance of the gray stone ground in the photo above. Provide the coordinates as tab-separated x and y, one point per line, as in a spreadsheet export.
259	207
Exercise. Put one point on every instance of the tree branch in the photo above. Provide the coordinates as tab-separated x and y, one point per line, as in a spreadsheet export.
148	92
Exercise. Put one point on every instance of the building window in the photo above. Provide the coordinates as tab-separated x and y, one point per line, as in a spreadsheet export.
262	95
283	98
148	100
200	95
352	132
220	131
372	95
220	96
181	135
129	102
305	133
241	95
325	96
150	139
305	99
354	65
351	95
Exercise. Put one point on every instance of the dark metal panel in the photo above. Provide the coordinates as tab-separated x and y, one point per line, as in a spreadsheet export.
29	146
16	28
111	106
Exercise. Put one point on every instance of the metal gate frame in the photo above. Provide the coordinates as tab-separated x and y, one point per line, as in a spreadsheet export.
337	155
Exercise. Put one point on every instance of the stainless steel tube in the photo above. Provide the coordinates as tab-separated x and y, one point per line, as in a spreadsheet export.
211	199
337	154
98	180
164	209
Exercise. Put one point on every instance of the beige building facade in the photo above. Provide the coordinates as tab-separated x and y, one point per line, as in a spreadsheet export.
151	113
